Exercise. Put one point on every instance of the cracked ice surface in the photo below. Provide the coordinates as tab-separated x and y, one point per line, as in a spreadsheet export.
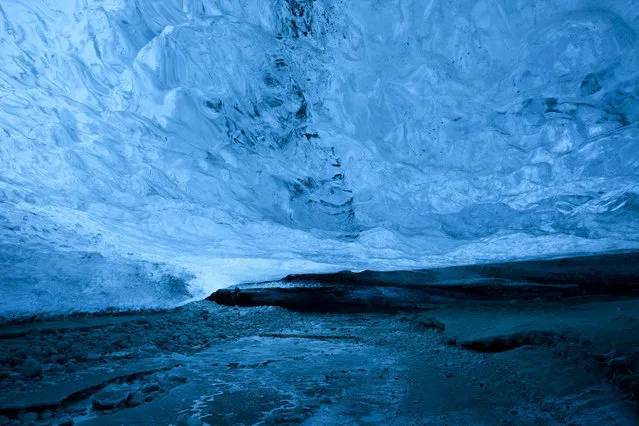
155	151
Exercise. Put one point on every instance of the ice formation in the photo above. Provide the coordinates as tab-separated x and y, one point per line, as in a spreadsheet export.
153	151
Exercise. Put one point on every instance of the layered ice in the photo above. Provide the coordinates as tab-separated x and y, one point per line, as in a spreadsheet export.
152	152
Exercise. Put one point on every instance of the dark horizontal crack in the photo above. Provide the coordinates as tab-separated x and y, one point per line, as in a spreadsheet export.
508	342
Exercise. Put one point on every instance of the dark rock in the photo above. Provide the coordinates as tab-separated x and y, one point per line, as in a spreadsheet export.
49	350
29	418
620	365
106	348
5	359
93	356
634	386
508	342
177	378
136	399
334	298
109	399
31	368
629	383
150	348
151	387
325	399
53	367
551	279
432	323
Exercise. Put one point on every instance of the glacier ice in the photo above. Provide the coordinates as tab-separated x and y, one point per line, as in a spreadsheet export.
151	152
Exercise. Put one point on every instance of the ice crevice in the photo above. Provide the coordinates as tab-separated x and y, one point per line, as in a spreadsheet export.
153	152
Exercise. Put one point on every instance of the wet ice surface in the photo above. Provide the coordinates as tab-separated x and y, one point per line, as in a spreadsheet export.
210	364
153	152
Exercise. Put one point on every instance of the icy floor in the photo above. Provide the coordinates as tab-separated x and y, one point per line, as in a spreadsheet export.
206	364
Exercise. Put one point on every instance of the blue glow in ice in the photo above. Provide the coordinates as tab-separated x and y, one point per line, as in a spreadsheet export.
203	143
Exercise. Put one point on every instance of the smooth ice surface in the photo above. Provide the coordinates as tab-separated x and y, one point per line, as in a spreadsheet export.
153	151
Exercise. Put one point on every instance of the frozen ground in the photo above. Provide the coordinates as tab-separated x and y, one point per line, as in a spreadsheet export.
206	363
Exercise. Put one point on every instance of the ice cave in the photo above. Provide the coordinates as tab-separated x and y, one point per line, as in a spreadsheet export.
319	212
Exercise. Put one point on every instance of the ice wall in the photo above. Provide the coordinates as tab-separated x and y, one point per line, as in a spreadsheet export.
153	151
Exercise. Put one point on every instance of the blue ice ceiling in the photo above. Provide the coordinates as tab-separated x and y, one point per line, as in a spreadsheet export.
153	151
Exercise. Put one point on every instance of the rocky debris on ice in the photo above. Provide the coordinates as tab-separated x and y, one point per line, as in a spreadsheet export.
31	368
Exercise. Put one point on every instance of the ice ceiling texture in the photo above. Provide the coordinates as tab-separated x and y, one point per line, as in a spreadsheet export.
153	151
